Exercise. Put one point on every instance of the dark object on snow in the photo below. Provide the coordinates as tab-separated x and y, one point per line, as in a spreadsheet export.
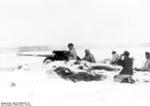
63	71
77	63
101	68
128	80
59	56
12	84
81	67
124	79
19	67
66	73
146	81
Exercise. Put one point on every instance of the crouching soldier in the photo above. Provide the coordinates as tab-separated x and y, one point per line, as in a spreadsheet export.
89	56
115	58
146	66
125	76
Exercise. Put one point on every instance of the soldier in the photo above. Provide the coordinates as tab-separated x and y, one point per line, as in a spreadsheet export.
126	73
89	57
72	52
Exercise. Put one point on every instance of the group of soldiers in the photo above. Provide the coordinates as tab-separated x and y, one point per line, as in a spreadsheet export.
73	55
123	60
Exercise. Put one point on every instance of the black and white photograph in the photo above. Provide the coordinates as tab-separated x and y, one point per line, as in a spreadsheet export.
74	52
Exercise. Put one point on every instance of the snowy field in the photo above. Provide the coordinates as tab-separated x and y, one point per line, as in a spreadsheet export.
27	79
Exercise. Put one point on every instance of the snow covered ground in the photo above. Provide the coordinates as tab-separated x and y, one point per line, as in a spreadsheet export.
26	79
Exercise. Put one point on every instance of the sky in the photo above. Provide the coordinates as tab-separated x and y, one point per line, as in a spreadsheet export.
58	22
